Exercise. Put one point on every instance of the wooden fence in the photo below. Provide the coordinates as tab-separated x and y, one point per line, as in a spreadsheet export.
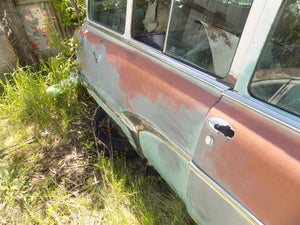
23	34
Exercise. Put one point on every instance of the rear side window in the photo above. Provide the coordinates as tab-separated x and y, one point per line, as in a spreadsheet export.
277	76
205	33
151	21
110	13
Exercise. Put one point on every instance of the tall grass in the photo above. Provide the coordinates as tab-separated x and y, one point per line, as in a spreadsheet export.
41	97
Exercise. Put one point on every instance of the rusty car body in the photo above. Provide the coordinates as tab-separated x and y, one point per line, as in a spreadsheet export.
208	92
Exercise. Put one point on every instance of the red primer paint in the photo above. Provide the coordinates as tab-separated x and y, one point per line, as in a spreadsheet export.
34	46
271	188
141	76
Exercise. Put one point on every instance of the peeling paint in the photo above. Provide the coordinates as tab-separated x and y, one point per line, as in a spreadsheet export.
34	17
259	167
132	81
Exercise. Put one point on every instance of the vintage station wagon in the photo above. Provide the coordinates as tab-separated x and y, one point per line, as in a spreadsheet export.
208	91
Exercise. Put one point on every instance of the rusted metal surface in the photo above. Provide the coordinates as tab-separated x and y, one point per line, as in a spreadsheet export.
148	90
259	167
174	115
138	84
223	45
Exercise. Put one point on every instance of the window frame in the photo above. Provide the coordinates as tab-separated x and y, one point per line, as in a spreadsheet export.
216	76
106	27
277	108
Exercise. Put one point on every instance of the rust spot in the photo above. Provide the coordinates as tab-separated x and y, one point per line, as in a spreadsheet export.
141	76
95	57
229	80
92	38
214	33
83	60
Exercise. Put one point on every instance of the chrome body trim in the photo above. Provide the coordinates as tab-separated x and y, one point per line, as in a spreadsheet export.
262	109
223	193
105	30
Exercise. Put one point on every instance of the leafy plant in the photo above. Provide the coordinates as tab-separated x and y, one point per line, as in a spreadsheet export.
72	12
8	183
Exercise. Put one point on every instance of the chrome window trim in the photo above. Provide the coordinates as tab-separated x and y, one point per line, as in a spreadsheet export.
263	109
109	30
129	18
168	27
256	31
105	30
224	194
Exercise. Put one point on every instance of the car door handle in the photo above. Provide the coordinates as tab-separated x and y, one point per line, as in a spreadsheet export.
222	127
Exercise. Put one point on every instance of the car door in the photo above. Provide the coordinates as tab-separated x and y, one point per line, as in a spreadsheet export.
157	101
248	157
158	94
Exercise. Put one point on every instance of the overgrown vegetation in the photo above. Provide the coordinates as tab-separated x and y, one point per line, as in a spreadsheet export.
53	170
72	11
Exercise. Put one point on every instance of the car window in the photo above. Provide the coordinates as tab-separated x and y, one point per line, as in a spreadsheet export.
151	21
205	33
277	76
110	13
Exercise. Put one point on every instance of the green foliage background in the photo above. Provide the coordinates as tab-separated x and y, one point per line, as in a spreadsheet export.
71	11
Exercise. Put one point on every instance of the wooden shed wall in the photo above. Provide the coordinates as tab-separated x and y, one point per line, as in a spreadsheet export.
32	15
8	57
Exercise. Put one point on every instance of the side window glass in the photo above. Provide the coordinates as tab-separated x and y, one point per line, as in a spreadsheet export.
110	13
277	76
151	21
205	33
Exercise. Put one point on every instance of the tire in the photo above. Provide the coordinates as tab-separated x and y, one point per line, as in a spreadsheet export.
108	132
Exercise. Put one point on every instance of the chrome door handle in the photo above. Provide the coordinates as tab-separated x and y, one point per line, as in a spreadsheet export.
221	127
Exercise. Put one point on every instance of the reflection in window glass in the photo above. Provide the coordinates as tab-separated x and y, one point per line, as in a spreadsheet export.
205	33
151	21
110	13
238	2
277	77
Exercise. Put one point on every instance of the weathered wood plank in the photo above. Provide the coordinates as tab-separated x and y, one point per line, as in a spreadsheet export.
15	32
26	2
